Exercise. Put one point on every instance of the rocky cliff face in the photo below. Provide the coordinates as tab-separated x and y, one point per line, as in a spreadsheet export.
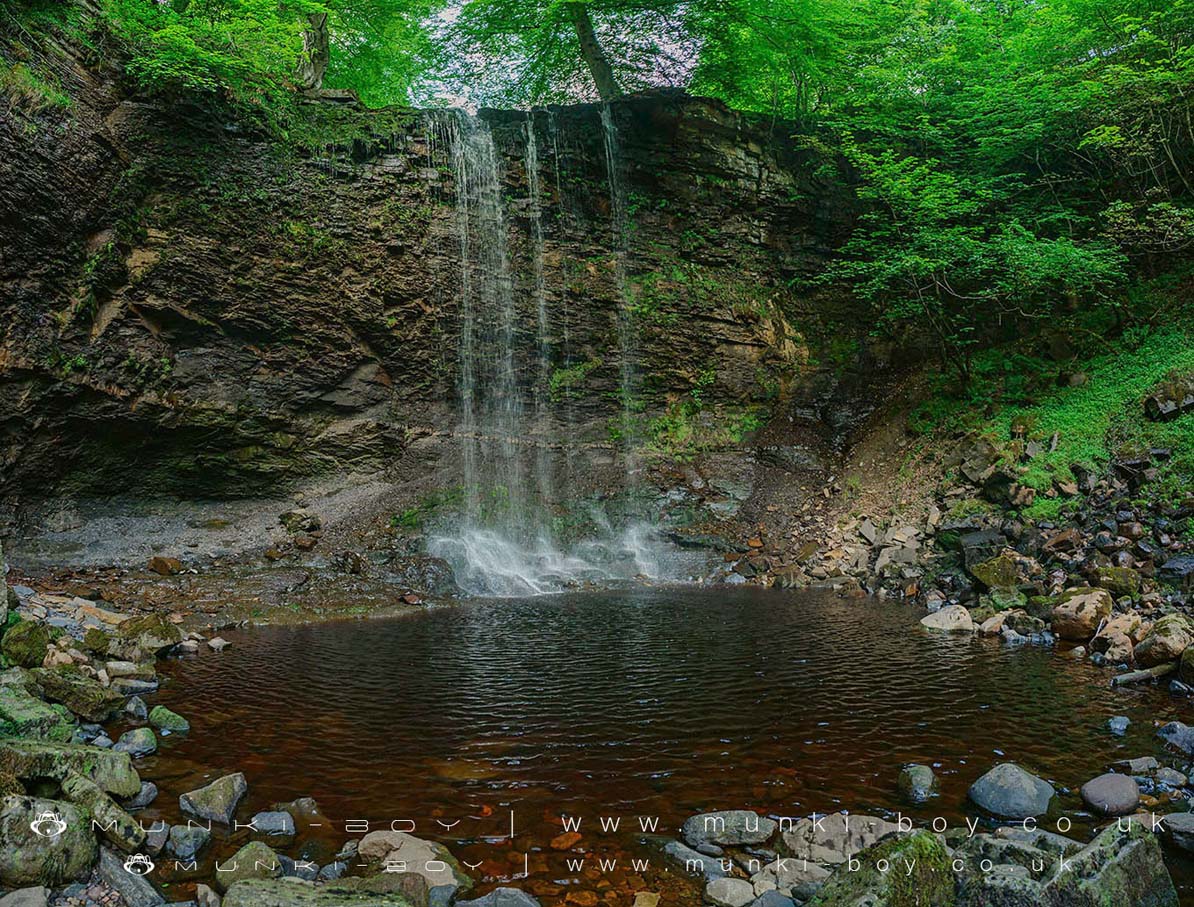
195	307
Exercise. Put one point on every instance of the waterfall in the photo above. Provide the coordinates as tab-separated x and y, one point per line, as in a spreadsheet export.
502	543
627	347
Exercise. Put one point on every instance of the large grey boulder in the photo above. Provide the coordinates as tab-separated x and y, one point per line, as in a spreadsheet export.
216	801
28	858
917	783
402	852
1010	792
729	892
728	827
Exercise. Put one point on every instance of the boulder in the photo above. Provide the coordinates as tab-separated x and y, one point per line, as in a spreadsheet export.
729	827
185	841
917	783
401	852
142	638
1121	866
28	858
161	717
729	892
1119	581
133	887
87	698
1178	571
275	823
216	801
1179	828
116	825
26	897
1077	613
1169	637
253	861
1111	794
696	863
950	619
24	715
25	644
1178	735
1010	792
833	839
1009	571
137	743
165	566
112	772
924	877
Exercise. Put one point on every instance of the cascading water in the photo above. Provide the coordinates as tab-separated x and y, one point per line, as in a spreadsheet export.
503	544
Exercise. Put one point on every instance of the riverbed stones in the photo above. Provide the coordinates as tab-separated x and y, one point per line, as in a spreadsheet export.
924	878
834	838
216	801
1111	794
134	888
729	892
185	841
1118	725
146	795
253	861
1010	792
166	720
917	783
1169	637
25	644
950	619
1077	613
728	827
28	858
135	708
138	743
40	759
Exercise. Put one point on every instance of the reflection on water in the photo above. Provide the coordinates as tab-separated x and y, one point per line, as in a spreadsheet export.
637	703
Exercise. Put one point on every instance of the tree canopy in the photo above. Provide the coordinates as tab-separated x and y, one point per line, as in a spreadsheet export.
1014	157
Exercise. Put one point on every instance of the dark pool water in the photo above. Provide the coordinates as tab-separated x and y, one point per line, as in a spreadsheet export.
655	703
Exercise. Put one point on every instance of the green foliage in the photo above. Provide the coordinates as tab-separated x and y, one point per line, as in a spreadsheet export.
566	383
30	90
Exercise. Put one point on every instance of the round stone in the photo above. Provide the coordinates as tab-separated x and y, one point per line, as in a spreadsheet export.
1012	793
1111	794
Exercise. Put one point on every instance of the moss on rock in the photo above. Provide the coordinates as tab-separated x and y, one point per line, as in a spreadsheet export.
908	871
25	644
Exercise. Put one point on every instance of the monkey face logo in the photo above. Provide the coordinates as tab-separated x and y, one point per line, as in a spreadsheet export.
138	864
48	825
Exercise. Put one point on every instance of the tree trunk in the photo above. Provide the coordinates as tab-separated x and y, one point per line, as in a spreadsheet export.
594	56
313	64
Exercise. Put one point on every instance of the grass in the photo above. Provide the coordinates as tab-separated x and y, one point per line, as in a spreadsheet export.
1016	396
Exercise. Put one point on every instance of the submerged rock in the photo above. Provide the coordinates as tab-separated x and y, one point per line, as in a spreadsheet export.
161	717
1010	792
137	743
917	783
